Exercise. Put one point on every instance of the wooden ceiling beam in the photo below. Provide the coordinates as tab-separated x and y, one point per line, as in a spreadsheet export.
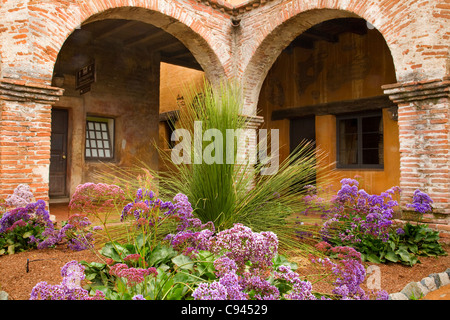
118	28
146	38
183	63
334	108
168	45
318	35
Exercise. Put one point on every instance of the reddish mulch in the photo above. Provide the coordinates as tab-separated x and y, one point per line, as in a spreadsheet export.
46	264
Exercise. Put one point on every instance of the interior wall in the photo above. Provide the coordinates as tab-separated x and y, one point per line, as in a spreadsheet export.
355	67
127	90
175	80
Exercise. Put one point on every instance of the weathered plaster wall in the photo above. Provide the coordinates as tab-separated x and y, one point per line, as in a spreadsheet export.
127	90
353	68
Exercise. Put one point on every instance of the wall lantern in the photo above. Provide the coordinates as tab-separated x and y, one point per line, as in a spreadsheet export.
393	113
58	80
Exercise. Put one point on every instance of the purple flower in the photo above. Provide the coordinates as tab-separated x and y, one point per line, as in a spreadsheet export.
300	290
357	214
244	246
21	196
421	202
213	291
69	289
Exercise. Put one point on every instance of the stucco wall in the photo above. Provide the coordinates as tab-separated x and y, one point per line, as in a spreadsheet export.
127	90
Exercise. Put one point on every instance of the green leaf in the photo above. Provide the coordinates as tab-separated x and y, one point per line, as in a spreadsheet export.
280	260
27	234
373	258
140	241
391	256
404	255
114	251
11	249
183	262
90	276
97	265
392	245
413	248
161	254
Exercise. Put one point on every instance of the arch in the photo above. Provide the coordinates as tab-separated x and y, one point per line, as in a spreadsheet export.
177	19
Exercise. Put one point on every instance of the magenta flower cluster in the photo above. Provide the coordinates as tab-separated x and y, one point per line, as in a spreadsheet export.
91	197
133	276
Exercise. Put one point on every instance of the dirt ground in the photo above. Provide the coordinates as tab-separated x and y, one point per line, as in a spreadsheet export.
46	264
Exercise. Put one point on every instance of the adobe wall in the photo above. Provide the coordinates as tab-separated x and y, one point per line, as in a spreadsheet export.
132	100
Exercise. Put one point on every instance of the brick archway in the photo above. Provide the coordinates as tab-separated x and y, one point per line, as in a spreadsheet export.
272	27
50	23
32	35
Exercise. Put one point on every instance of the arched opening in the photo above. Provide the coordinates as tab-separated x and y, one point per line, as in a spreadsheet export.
120	78
325	86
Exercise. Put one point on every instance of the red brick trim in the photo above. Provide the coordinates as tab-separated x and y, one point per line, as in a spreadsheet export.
234	10
418	90
19	90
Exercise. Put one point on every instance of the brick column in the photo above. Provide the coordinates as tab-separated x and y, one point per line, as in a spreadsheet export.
252	124
25	129
424	134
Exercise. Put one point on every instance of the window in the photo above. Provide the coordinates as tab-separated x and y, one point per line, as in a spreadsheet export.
99	138
360	140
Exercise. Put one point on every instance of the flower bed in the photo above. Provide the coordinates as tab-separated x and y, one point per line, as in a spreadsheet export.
168	253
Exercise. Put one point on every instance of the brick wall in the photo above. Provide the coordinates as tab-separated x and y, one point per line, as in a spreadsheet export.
424	132
25	128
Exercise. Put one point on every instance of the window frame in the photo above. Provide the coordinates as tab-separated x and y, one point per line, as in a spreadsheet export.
359	116
110	133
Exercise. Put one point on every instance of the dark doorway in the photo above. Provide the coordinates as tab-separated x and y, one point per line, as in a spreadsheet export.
300	130
58	154
303	128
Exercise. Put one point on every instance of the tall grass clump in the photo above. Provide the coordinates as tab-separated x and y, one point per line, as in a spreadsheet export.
221	187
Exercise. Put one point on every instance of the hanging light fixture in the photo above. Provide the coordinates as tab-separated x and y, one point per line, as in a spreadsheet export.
58	76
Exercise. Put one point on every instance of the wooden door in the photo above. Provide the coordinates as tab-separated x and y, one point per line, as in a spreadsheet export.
58	153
